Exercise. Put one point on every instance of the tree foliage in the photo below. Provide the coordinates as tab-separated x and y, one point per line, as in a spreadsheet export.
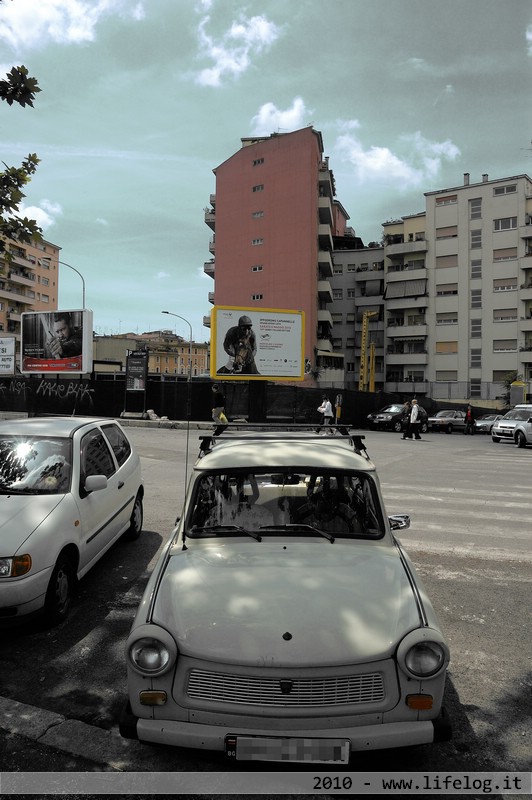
17	87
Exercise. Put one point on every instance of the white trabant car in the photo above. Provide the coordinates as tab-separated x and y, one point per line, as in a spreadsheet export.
283	620
69	488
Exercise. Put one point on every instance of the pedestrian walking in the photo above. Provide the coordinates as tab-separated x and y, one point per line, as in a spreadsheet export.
469	420
405	420
414	420
218	410
327	414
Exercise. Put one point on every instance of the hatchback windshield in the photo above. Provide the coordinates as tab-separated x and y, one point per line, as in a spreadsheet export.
37	465
236	502
520	414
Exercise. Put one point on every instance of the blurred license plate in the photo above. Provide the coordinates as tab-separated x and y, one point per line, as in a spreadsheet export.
270	748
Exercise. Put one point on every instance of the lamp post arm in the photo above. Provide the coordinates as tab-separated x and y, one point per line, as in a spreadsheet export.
64	263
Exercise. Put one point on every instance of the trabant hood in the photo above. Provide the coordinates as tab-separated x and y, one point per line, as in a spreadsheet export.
280	603
20	515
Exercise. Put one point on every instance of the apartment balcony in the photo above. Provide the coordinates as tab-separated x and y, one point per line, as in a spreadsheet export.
324	345
325	291
14	316
325	237
212	245
324	179
208	267
21	278
398	303
24	262
526	291
406	331
325	210
210	218
325	263
325	316
206	322
406	387
402	248
525	324
408	359
525	231
212	200
525	355
11	294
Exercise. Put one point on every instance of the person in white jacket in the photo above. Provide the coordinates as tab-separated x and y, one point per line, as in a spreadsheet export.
327	415
414	420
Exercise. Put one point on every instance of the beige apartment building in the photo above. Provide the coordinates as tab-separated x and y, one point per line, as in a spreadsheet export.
28	282
458	291
168	354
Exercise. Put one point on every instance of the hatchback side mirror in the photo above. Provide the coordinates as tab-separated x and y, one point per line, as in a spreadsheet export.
94	483
399	522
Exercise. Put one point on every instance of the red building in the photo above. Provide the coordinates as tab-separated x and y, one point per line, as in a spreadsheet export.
274	215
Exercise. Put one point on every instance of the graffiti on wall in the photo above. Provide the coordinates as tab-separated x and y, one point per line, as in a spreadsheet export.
64	394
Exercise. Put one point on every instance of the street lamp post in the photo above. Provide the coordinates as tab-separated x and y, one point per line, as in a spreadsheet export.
189	377
80	275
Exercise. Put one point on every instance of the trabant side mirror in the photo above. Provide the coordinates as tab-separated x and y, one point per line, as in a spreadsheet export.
94	483
399	522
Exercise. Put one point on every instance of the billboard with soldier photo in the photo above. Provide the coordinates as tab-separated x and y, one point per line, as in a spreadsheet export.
56	341
257	343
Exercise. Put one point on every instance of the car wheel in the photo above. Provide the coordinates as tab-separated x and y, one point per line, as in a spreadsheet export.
495	438
520	439
137	516
397	426
61	590
449	428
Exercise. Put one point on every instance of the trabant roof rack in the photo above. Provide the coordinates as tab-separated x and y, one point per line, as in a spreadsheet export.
236	430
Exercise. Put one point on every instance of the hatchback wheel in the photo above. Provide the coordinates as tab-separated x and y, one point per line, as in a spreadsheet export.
449	428
137	517
495	438
520	439
397	426
61	589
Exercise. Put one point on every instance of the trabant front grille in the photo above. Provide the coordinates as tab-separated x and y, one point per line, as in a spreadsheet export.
255	691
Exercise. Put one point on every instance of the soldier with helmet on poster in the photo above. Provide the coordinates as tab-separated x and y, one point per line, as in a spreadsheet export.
240	344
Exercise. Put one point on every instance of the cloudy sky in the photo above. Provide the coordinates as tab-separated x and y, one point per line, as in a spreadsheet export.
141	99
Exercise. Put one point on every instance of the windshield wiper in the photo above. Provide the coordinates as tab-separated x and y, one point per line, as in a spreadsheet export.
214	528
299	525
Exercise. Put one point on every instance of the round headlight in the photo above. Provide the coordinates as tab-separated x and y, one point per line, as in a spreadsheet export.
425	659
149	655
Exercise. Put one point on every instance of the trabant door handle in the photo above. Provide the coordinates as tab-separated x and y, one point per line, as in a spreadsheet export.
120	484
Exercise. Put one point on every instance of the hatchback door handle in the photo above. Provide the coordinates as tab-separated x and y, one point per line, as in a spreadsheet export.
120	484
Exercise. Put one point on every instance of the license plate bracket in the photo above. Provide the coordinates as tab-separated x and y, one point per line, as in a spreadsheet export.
299	749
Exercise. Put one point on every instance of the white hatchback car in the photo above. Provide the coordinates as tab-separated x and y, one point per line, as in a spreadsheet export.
69	487
283	620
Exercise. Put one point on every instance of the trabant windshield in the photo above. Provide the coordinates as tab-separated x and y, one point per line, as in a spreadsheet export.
285	503
35	465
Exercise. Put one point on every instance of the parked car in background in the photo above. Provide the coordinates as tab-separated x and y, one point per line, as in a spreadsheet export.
388	418
448	420
283	620
515	426
484	423
69	488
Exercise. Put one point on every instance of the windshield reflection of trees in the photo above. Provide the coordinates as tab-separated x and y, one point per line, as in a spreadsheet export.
34	466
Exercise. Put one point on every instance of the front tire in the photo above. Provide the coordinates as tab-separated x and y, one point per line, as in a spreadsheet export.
397	426
61	591
137	517
495	438
449	428
520	439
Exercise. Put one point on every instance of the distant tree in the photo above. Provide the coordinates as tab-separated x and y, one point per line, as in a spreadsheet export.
17	87
507	383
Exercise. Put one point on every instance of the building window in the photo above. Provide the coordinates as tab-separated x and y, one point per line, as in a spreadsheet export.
337	344
446	201
337	317
257	161
449	318
444	289
256	268
509	189
338	294
351	267
259	187
257	214
338	269
505	345
448	375
505	254
476	239
350	366
475	359
505	285
443	348
505	315
45	298
476	298
446	261
450	232
476	328
475	208
351	293
257	296
350	318
350	343
476	268
44	281
256	242
504	223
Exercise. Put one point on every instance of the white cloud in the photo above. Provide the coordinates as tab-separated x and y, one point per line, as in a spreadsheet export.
231	54
163	275
26	24
103	222
270	119
44	214
422	161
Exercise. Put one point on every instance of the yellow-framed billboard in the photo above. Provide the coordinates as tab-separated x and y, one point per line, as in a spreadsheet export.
257	344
